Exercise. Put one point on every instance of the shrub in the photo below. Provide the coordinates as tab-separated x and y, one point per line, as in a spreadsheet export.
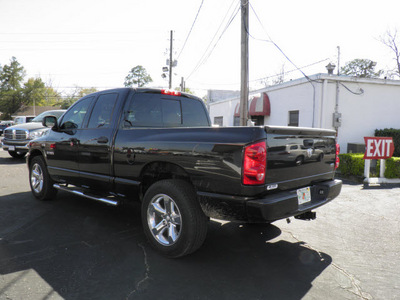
395	134
392	167
351	164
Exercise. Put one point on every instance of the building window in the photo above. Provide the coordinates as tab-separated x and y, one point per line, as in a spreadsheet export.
236	121
219	121
294	118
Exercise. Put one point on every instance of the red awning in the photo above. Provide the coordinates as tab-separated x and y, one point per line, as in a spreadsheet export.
259	106
237	110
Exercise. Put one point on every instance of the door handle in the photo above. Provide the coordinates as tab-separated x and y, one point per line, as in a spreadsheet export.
102	140
73	142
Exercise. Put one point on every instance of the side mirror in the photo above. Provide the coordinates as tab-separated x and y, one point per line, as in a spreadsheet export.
50	121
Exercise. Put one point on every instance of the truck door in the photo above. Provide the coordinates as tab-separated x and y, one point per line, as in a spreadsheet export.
95	148
64	143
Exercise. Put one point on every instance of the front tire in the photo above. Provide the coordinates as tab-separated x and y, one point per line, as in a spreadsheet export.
299	160
172	218
40	181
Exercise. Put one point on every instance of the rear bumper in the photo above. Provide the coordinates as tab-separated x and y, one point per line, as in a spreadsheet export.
285	204
269	208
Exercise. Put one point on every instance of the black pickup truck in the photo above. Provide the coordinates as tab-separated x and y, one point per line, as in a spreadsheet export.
158	147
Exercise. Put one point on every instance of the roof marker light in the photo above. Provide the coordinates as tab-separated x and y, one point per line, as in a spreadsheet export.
170	92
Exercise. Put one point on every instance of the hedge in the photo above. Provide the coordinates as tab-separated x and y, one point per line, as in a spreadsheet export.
352	164
392	167
395	134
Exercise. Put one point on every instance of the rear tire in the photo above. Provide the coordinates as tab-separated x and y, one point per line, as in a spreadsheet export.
40	181
16	154
172	218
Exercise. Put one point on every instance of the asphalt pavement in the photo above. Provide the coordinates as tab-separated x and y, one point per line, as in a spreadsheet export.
75	248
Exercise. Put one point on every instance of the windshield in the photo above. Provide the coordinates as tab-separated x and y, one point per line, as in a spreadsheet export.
56	113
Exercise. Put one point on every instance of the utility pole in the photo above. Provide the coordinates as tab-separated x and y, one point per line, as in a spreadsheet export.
170	61
244	73
182	84
337	115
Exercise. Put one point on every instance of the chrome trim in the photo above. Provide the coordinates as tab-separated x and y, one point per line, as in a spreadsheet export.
300	178
16	134
5	147
120	180
79	193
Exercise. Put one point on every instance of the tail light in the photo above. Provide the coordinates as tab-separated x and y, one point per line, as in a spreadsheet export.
337	159
254	164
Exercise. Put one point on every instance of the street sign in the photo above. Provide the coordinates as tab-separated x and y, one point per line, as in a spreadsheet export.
378	147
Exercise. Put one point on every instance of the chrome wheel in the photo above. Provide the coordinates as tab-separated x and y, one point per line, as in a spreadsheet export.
173	220
164	219
37	178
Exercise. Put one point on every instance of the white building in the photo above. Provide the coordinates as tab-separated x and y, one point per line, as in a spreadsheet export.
356	106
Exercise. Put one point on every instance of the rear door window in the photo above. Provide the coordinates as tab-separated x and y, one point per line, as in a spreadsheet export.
143	110
102	111
154	110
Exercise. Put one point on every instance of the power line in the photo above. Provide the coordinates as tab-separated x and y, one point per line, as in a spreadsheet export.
276	45
73	33
361	91
208	53
293	70
190	31
262	78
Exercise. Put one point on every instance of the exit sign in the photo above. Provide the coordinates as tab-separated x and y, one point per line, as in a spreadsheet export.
378	147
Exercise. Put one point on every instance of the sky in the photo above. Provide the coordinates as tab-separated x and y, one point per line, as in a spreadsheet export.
95	43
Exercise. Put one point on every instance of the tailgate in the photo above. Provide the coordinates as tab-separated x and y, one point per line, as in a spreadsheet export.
298	157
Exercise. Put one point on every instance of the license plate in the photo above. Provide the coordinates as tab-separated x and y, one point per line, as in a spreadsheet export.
11	148
304	195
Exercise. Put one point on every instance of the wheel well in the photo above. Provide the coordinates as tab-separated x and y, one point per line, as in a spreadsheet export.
156	171
33	154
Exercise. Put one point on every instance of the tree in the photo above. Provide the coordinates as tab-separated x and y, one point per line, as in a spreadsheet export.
37	93
14	93
362	68
391	40
186	90
51	96
75	95
11	76
137	76
33	91
280	77
11	92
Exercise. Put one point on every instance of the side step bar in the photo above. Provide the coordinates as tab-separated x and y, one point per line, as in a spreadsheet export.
76	191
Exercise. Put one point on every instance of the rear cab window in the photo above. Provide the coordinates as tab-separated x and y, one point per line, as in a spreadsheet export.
156	110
